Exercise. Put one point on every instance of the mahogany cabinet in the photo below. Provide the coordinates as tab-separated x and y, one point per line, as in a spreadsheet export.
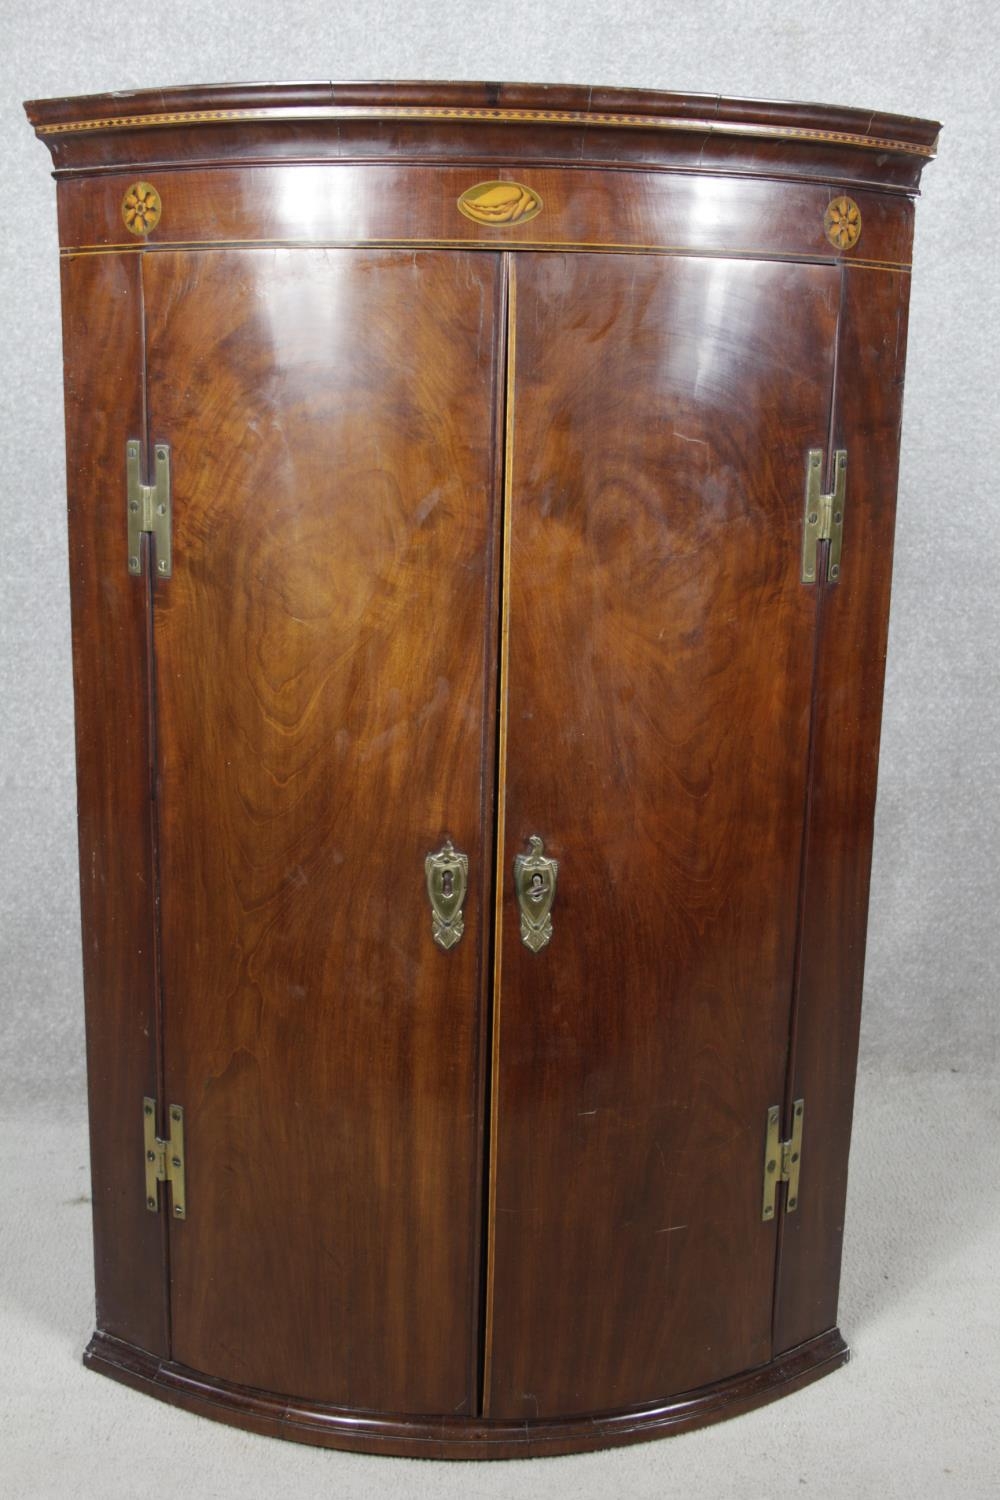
481	507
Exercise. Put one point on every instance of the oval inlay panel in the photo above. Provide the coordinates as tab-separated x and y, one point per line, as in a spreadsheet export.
141	208
842	223
500	203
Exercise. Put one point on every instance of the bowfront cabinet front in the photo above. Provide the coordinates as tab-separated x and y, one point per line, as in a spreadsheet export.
481	507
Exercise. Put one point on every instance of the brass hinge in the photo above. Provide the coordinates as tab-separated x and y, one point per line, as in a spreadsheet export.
823	519
164	1159
148	506
782	1159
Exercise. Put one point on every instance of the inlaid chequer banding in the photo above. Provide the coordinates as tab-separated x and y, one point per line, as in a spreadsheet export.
498	116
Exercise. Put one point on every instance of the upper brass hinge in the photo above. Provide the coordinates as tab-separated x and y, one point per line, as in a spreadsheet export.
823	518
164	1159
782	1159
148	506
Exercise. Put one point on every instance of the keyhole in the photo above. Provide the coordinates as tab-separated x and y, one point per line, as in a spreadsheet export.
447	883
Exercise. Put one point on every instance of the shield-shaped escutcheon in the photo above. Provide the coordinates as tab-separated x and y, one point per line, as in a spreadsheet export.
535	884
447	874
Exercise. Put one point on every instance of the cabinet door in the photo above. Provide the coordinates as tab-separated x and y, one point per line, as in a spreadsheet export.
323	694
659	661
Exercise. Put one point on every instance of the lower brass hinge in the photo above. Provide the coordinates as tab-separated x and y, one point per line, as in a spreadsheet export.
164	1159
148	507
782	1159
823	518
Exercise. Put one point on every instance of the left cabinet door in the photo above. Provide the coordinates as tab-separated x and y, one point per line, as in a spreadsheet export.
323	694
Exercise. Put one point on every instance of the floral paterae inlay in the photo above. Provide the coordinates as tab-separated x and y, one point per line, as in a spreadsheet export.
141	208
842	222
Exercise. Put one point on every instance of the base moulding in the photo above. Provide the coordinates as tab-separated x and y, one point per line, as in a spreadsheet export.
452	1437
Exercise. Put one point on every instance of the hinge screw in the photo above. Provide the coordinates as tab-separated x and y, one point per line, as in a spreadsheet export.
178	1211
150	1155
134	505
162	567
133	562
151	1202
175	1161
175	1114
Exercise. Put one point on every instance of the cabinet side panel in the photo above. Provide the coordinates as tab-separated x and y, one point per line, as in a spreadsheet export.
102	333
851	670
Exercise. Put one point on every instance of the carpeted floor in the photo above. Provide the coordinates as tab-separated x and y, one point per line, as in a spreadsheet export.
915	1414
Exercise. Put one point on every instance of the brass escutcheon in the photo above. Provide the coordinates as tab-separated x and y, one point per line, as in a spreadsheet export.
447	874
535	885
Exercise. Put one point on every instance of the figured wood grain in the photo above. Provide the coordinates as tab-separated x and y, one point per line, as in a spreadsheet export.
660	677
511	145
318	697
545	103
102	343
349	202
487	121
321	689
851	670
459	1437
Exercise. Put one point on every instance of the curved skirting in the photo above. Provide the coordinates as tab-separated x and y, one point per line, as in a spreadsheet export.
450	1437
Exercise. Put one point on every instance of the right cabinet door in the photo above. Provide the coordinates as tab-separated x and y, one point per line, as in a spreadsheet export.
659	669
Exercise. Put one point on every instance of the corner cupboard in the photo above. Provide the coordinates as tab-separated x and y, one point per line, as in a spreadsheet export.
481	505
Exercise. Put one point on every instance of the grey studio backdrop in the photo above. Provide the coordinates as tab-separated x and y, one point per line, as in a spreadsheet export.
930	1036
